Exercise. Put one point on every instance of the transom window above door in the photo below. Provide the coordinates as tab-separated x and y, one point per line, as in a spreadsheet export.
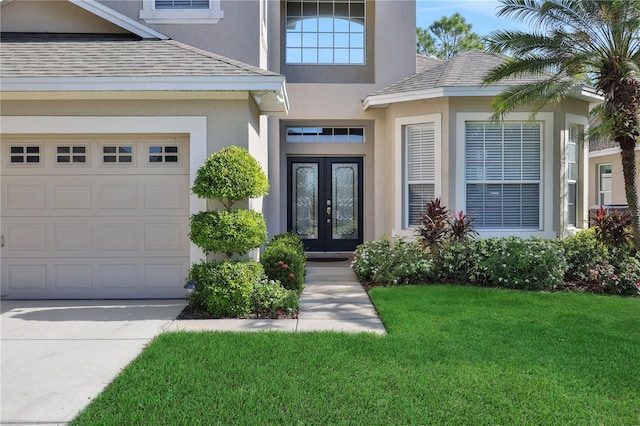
325	134
325	32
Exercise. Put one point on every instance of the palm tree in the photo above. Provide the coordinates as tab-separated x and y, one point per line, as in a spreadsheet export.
570	41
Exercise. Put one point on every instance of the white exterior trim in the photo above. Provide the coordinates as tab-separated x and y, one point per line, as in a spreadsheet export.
583	175
195	127
384	100
151	15
398	175
118	19
546	184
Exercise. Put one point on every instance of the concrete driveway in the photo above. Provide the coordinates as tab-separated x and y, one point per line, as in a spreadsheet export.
56	356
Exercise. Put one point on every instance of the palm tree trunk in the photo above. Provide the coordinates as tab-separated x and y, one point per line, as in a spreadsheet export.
628	153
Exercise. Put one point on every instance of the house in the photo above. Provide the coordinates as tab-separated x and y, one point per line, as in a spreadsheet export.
109	108
606	181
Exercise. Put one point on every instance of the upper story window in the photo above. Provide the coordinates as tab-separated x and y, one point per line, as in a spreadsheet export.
325	32
181	11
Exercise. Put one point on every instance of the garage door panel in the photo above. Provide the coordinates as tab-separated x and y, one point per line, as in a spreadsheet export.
89	227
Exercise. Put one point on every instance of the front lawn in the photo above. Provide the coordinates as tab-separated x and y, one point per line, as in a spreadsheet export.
453	355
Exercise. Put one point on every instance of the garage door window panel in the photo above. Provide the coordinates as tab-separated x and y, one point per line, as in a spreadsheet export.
117	154
25	154
164	154
71	154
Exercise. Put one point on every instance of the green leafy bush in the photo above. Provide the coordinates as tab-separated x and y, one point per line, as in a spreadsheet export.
533	264
620	276
466	261
284	260
228	232
398	263
230	175
224	289
580	250
269	298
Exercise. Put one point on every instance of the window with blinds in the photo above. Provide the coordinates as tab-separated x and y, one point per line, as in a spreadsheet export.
420	169
181	4
502	174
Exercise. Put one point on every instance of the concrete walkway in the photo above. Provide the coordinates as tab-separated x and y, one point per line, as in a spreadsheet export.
332	300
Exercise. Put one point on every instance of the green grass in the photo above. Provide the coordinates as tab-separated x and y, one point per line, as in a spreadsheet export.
453	355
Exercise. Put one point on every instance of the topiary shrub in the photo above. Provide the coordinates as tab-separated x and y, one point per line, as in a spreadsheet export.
581	250
234	232
284	260
269	299
224	289
230	175
533	264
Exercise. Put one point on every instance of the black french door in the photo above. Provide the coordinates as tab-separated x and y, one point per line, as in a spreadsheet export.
324	202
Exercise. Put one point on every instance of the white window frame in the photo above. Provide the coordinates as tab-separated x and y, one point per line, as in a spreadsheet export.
582	161
602	192
318	44
401	215
151	15
546	178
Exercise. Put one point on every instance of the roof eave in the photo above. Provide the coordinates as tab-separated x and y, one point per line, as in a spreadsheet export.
384	100
271	89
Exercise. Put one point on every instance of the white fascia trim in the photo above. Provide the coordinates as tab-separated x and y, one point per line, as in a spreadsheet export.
383	101
119	19
194	126
606	152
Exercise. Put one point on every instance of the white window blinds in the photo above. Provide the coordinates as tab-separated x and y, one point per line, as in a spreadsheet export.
182	4
502	174
420	170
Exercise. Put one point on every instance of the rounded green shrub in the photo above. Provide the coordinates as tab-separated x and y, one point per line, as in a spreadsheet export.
533	264
284	260
223	289
228	232
230	175
581	250
269	298
394	263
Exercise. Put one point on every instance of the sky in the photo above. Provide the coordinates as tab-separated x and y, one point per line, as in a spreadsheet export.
481	14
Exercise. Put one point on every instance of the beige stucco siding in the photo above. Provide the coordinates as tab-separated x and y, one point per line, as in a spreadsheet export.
55	16
617	178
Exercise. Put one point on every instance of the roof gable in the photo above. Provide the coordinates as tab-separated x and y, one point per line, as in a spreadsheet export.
69	16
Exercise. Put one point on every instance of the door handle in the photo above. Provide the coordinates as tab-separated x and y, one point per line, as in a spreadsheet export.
328	210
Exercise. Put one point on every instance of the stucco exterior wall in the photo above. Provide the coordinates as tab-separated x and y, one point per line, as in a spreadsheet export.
235	36
617	178
55	16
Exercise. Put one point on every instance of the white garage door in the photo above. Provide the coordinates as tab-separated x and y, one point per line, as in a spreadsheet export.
94	217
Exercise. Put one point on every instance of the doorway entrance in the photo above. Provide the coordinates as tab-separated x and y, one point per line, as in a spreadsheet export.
324	202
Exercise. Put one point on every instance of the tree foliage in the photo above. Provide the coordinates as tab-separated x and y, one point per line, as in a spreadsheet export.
571	39
447	37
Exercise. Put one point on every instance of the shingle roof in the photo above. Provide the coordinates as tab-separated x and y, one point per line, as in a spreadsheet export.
104	55
467	69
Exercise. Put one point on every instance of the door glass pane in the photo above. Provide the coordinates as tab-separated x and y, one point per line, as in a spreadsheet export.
305	200
344	203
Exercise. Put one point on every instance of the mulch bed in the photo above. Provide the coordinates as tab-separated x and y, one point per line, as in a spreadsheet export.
196	314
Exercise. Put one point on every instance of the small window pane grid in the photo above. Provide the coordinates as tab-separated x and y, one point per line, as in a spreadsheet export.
325	135
117	154
420	175
163	154
181	4
503	167
25	154
325	32
71	154
604	184
572	175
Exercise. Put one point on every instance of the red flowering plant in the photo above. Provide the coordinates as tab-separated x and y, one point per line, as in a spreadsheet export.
284	260
625	281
